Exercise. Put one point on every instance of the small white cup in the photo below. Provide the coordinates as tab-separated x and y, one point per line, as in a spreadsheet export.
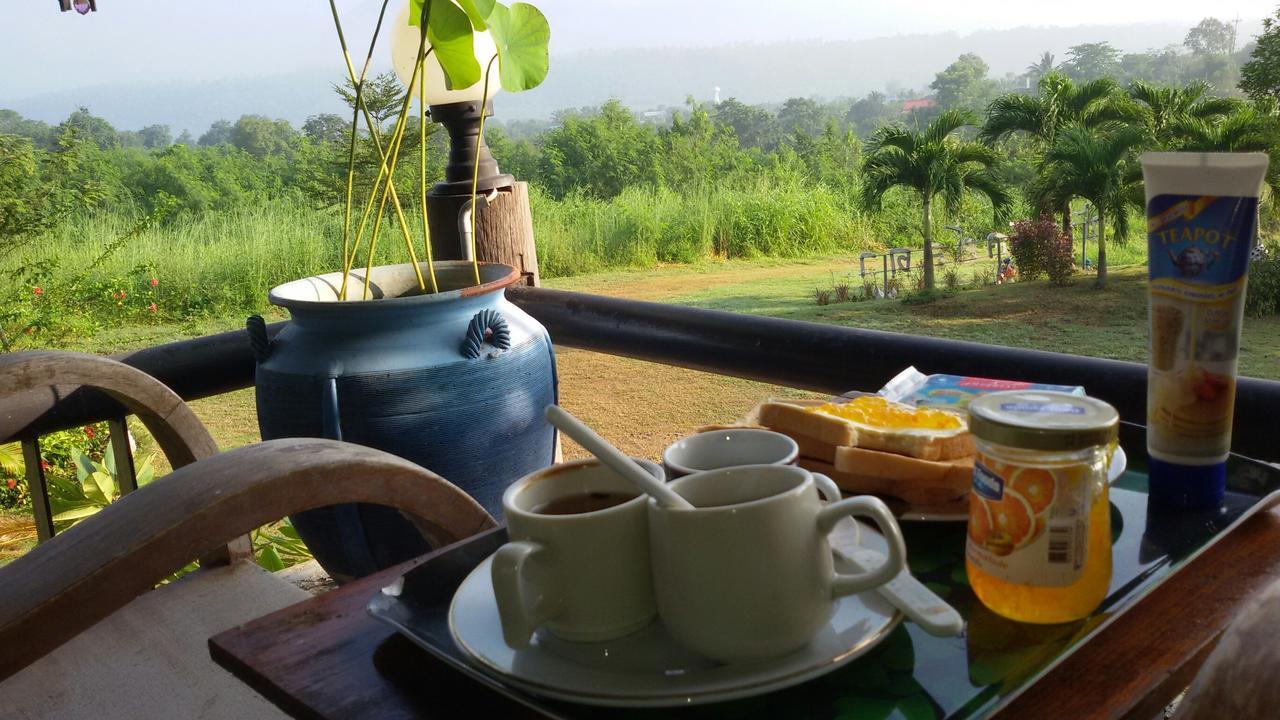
730	447
748	573
585	576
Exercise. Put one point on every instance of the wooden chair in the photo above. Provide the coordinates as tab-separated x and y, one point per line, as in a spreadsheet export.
82	631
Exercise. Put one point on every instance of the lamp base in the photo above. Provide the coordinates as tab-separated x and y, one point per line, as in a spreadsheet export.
467	150
447	219
463	187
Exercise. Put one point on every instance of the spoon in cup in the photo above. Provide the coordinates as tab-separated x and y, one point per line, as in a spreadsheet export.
615	458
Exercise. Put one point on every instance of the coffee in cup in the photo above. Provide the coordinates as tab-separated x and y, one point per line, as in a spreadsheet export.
577	562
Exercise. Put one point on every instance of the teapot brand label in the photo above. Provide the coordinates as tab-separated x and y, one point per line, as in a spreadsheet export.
1029	525
1198	248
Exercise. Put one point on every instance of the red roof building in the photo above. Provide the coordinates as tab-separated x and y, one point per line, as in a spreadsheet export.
917	104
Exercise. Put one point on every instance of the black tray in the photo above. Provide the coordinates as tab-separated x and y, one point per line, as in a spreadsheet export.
911	674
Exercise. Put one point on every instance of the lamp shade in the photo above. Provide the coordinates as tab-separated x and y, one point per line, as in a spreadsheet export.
404	55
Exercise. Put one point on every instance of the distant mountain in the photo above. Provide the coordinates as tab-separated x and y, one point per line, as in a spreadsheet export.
640	78
195	106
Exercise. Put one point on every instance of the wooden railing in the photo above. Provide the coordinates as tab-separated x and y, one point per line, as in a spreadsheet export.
812	356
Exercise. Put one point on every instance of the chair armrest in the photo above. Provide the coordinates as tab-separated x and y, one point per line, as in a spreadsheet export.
32	383
81	576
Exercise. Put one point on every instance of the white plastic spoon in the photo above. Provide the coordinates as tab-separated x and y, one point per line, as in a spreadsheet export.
614	458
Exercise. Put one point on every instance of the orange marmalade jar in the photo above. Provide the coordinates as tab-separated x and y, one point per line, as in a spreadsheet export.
1039	540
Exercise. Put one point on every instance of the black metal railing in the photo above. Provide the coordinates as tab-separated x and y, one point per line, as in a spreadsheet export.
811	356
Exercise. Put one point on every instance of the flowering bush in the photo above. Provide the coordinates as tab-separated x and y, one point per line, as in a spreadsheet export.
42	303
1039	247
59	452
45	305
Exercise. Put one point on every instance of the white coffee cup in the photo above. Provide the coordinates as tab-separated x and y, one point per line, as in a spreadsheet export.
748	573
729	447
585	575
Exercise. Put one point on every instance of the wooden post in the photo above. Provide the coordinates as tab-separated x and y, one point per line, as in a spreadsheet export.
504	232
38	490
122	455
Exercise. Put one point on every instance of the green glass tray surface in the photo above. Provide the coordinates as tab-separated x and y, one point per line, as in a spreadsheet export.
911	674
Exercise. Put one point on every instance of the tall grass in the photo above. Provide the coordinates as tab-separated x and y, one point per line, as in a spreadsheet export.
643	227
209	263
219	263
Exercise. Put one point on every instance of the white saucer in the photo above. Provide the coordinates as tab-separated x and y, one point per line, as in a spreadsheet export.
647	668
1119	461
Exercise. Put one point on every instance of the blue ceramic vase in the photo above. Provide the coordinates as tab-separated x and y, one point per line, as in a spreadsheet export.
455	381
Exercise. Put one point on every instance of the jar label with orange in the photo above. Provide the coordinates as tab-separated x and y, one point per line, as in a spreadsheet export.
1028	525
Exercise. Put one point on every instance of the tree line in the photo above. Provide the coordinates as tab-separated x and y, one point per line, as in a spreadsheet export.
1026	143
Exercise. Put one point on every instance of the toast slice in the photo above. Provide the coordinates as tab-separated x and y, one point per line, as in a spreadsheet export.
816	449
795	420
860	484
953	477
924	443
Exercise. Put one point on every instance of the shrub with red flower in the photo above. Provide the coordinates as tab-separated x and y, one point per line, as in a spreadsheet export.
1039	247
152	308
88	431
154	282
37	290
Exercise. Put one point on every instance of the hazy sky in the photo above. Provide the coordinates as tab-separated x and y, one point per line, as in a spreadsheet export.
129	41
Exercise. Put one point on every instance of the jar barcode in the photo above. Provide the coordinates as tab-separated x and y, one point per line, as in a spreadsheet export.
1060	544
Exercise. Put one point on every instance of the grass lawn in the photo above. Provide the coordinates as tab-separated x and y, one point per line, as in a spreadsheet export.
1077	319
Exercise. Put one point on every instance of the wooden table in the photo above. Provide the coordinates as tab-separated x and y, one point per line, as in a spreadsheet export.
326	658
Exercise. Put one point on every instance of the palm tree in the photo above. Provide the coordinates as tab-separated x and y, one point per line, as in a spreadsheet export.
1245	130
1041	67
1058	103
1099	167
933	163
1164	107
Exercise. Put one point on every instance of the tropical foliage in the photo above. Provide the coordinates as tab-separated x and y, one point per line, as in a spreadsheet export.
1101	168
1059	102
1163	109
934	163
1260	77
95	486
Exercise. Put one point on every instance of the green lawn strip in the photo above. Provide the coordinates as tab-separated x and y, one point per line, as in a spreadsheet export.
1076	319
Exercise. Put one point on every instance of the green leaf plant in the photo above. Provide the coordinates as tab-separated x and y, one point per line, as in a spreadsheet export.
96	486
521	35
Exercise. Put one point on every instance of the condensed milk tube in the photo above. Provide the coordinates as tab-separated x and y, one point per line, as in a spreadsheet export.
1202	215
